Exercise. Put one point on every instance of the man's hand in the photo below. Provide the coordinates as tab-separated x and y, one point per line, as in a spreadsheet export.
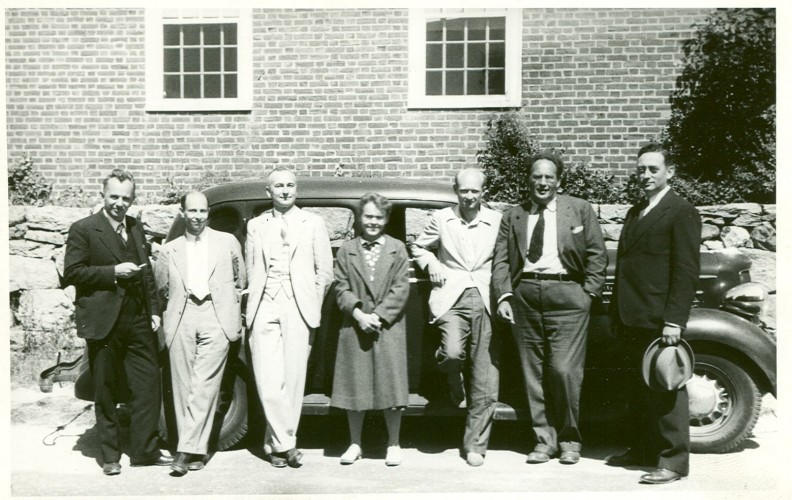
126	270
505	311
671	335
155	322
369	323
436	275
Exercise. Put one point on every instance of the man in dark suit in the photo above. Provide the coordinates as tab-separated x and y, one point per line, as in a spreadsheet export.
657	270
117	313
549	265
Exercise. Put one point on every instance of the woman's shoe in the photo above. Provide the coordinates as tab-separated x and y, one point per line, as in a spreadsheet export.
394	456
352	455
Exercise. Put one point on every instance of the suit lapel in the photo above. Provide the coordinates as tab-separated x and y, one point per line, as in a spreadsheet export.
564	221
293	233
382	268
639	226
109	237
180	258
214	250
358	261
520	227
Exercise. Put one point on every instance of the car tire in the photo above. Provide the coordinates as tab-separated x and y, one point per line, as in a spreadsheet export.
724	404
231	413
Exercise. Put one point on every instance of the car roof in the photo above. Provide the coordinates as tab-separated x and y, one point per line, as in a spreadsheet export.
335	188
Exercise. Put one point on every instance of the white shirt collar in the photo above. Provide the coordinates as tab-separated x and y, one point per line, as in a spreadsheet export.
195	238
655	198
114	223
552	206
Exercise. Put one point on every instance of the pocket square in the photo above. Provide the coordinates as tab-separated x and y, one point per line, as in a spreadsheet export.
577	229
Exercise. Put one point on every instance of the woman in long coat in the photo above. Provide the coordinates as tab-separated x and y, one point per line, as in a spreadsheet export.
371	363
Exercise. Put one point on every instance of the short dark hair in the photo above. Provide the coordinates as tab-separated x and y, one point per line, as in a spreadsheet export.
549	156
383	204
654	147
121	175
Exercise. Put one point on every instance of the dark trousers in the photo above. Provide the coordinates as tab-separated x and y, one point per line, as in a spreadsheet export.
466	328
661	431
128	355
550	329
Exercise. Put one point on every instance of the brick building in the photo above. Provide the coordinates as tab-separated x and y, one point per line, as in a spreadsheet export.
177	94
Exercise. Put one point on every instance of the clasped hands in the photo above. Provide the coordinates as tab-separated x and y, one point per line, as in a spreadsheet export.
368	322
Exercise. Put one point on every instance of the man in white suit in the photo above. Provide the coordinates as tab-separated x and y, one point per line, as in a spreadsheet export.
464	237
290	267
200	275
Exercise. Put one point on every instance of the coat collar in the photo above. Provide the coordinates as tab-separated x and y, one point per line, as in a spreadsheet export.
180	252
386	258
635	227
108	235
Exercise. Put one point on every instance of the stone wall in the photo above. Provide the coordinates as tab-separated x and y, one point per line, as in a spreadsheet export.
42	311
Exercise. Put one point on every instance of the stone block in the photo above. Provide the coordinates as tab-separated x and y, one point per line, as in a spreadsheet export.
26	273
611	232
33	249
158	219
51	218
613	214
16	214
46	316
714	245
764	237
54	238
709	232
735	237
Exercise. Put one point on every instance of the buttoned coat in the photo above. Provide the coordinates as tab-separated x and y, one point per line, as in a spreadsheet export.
226	282
581	247
310	263
93	249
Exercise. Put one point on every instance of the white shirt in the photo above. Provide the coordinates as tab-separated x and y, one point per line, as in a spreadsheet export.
655	199
114	223
549	262
197	264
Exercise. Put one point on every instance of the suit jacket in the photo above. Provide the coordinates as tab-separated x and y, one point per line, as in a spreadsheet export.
461	264
657	265
581	247
226	282
310	265
92	251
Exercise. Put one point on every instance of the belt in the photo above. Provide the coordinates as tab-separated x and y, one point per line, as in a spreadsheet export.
549	277
197	301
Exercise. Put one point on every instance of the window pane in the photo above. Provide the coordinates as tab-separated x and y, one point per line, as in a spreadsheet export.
170	34
212	86
434	83
497	55
455	55
192	86
192	59
230	86
497	28
229	34
171	60
211	59
230	59
455	29
476	55
475	82
172	87
477	29
454	83
495	85
211	34
434	31
434	56
192	34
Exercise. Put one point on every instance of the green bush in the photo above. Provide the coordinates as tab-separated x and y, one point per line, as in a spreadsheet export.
722	124
594	186
25	185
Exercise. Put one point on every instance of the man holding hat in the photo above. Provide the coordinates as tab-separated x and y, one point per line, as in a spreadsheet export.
657	270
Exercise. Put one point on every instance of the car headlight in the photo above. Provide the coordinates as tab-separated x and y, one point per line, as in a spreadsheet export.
747	299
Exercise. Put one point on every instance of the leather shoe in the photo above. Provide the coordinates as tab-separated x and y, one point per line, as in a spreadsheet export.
475	459
293	458
569	457
111	469
660	476
277	460
626	459
537	457
160	460
179	465
196	463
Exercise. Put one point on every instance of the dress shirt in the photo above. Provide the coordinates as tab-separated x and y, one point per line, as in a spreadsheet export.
114	223
654	200
549	262
278	274
197	265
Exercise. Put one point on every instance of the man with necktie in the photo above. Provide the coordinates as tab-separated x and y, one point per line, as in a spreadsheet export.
549	265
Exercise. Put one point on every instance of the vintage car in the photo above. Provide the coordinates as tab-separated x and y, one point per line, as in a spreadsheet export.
735	356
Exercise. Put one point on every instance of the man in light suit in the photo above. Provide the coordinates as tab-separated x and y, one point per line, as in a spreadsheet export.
200	276
549	265
289	267
464	238
657	271
117	313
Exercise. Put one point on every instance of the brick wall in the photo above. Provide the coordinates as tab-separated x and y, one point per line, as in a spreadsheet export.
330	92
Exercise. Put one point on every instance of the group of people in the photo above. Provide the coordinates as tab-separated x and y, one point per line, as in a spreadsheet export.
538	268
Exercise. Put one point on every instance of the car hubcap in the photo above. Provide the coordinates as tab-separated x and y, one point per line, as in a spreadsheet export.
708	399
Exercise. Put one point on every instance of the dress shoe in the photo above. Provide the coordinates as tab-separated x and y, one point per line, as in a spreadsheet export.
626	459
537	457
179	466
352	455
660	476
294	458
277	460
196	463
394	456
475	459
160	460
569	457
111	469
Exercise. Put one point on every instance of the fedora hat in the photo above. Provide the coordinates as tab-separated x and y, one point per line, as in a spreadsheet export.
667	368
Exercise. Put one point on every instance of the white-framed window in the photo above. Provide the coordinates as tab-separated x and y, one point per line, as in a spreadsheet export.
199	60
465	58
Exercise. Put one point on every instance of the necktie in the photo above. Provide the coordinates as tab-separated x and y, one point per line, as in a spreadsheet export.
368	245
121	230
284	230
537	238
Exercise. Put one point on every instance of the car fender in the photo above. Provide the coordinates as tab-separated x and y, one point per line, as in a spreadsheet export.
708	327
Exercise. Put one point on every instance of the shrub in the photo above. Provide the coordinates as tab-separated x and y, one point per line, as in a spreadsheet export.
594	186
26	186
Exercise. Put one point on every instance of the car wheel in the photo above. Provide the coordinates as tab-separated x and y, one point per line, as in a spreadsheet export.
724	404
230	415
